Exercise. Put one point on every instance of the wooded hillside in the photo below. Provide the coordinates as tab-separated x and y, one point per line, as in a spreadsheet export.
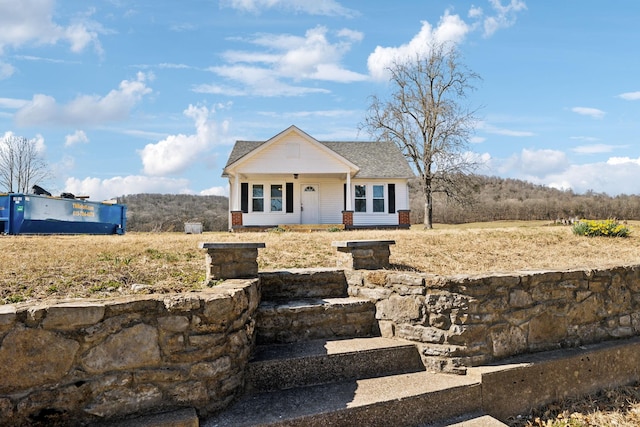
493	199
169	212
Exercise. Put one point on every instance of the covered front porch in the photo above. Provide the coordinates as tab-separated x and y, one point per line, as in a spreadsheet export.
315	202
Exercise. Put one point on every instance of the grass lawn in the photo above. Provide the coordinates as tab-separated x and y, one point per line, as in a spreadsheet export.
46	267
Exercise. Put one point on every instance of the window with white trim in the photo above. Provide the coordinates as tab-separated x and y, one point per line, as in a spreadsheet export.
360	194
257	200
378	198
276	198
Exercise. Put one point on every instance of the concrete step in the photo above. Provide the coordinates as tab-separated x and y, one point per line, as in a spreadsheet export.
303	283
311	227
469	420
315	318
410	399
282	366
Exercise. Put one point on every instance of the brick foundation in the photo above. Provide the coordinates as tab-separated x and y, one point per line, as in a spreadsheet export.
404	217
236	219
347	218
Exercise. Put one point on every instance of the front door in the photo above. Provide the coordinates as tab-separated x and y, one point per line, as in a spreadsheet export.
309	204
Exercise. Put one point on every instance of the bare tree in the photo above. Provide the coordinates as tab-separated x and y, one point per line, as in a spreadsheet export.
426	118
21	164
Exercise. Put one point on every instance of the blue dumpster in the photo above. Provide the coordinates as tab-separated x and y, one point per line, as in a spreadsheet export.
36	214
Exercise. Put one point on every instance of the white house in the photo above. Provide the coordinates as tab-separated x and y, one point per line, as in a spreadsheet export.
293	178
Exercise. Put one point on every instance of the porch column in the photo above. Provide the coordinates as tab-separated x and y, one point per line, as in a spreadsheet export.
236	192
348	207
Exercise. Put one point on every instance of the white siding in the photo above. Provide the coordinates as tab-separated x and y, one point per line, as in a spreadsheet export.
292	154
380	218
330	202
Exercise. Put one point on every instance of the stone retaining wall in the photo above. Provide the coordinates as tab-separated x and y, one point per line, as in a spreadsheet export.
83	362
467	321
91	361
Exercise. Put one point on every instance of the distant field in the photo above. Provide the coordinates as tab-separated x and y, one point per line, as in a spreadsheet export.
46	267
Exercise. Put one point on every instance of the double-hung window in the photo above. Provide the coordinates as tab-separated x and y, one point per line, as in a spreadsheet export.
378	198
257	201
360	198
276	198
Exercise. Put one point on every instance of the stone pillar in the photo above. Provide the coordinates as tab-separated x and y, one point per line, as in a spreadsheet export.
347	219
404	219
363	254
236	219
231	260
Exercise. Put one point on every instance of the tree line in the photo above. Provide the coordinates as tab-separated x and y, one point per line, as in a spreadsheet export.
499	199
490	199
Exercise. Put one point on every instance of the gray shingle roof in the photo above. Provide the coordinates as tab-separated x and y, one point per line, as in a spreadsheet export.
375	159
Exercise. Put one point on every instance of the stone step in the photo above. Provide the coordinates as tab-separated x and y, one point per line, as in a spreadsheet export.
315	318
282	366
303	283
410	399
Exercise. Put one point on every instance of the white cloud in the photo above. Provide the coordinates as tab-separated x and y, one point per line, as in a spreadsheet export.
622	160
584	138
38	141
505	16
475	12
542	162
587	111
509	132
352	35
287	60
176	152
254	82
103	189
85	109
316	113
450	29
78	137
30	22
488	128
12	103
630	96
315	7
215	191
168	65
594	149
617	175
609	177
6	70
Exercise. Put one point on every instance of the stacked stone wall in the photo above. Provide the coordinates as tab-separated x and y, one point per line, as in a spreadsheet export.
83	362
80	362
466	321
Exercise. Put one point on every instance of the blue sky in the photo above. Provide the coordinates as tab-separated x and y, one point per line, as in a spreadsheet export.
136	96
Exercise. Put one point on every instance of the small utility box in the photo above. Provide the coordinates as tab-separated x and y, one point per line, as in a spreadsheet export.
193	228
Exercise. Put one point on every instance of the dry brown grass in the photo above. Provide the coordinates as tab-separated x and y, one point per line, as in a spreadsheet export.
613	407
45	267
54	267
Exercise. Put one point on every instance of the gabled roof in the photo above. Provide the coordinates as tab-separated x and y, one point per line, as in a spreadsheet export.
379	159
